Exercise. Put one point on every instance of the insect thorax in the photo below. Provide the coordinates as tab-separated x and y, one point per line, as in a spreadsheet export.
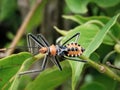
61	50
71	50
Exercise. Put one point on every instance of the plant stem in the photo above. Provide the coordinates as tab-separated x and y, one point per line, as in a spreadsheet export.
102	68
108	55
22	28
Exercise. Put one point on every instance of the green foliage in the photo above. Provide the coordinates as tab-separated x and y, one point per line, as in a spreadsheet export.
91	41
99	35
9	66
93	86
101	21
83	29
37	16
80	6
6	11
75	5
46	76
52	77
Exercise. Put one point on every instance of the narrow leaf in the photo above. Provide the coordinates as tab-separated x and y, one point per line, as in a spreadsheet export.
100	36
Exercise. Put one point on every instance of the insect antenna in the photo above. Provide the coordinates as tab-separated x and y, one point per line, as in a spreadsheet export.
3	51
17	47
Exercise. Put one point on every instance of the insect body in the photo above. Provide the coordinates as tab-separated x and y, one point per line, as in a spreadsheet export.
67	50
71	50
74	50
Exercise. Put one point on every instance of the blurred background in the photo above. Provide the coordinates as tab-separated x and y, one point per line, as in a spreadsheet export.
20	17
48	13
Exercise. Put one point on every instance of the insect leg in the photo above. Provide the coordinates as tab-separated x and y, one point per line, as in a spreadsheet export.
76	35
74	59
40	36
56	62
29	43
34	38
33	71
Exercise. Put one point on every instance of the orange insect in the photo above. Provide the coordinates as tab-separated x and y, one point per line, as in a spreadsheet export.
69	51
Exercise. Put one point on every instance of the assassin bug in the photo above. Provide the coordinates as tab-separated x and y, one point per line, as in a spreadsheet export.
67	51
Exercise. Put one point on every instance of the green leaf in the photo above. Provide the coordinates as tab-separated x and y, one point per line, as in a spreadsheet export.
37	17
106	49
46	80
93	86
87	34
104	81
9	67
81	20
101	21
90	41
102	3
80	6
62	32
114	9
50	78
95	57
100	36
6	9
20	82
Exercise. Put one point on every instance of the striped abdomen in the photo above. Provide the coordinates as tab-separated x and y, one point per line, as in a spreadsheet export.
74	50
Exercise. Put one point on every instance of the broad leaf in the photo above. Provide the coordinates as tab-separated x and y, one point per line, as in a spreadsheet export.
87	34
20	82
80	6
50	78
9	67
91	42
101	21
